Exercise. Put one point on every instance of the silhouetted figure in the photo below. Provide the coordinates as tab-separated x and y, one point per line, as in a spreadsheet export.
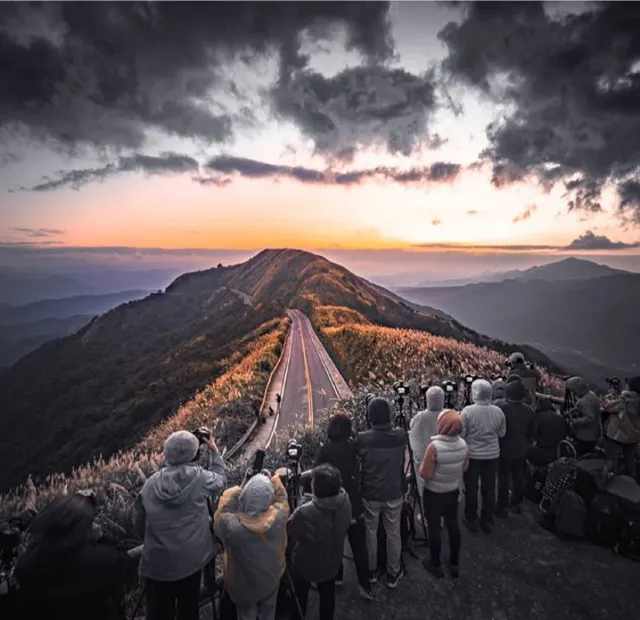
584	415
622	430
551	429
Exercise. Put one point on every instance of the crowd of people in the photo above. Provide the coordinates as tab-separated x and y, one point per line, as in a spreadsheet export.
359	482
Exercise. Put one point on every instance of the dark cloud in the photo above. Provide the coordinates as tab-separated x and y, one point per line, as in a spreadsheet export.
526	214
39	232
223	165
166	163
591	241
360	107
106	73
571	89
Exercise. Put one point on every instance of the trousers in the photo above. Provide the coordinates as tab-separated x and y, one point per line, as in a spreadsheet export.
438	506
510	473
390	513
480	473
174	600
357	535
326	591
262	610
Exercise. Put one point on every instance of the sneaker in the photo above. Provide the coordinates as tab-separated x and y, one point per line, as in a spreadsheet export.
454	571
502	513
373	577
472	526
434	570
392	581
366	592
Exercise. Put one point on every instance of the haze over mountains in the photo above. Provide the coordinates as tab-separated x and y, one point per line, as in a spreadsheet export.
97	391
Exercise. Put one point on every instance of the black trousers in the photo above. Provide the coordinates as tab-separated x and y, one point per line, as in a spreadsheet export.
623	456
439	506
174	600
510	471
357	536
326	591
541	456
480	473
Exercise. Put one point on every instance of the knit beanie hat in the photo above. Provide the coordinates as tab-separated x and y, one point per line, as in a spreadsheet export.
256	496
180	447
516	391
634	384
379	411
449	423
498	389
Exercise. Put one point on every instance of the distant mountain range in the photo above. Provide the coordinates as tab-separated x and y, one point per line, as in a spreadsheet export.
100	389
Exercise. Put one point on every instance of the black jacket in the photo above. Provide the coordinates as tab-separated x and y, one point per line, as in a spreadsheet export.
381	451
342	455
521	422
551	428
317	530
87	582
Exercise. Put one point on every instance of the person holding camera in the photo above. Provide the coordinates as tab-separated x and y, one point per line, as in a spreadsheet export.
584	415
69	570
251	523
340	451
483	426
381	451
317	530
171	515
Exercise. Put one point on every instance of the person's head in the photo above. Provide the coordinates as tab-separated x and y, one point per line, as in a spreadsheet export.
435	398
379	412
544	403
481	391
339	428
66	523
516	359
634	385
181	447
256	495
326	481
577	386
516	392
449	423
498	388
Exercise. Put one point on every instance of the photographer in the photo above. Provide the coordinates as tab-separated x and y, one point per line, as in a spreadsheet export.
317	530
584	416
551	429
382	455
483	426
171	515
340	451
622	430
68	570
251	522
530	376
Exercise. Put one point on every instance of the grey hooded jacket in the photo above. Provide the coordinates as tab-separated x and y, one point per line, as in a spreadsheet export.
171	515
483	423
317	530
586	422
623	425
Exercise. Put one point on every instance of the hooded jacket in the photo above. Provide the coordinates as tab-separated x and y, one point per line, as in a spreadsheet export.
586	423
251	524
483	423
342	455
424	426
521	422
623	425
172	517
446	457
551	428
498	390
317	530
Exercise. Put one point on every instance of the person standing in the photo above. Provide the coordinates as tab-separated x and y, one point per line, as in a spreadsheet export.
584	416
339	450
171	516
483	426
623	428
551	429
381	451
317	530
444	462
521	425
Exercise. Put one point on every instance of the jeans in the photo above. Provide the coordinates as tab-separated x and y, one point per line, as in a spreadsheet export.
326	591
262	610
480	473
622	454
510	470
439	506
357	535
170	600
391	513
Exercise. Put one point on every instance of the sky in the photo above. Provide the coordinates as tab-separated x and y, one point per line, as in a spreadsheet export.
462	136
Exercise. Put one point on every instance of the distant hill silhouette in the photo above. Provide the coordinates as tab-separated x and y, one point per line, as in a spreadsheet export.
98	390
593	318
22	287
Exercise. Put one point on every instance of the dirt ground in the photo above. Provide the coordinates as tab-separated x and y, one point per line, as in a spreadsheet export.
519	571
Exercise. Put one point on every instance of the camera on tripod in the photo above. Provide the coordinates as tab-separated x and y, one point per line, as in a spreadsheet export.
203	434
614	383
401	388
256	466
293	452
450	389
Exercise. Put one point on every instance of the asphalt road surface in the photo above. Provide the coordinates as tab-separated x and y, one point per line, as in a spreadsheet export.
308	389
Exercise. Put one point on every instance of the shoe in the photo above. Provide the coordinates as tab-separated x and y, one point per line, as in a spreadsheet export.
392	581
373	577
486	526
472	526
339	582
502	513
454	571
434	570
516	509
365	592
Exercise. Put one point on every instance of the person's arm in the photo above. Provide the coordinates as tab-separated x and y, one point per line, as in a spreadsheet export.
585	414
464	416
280	500
502	424
216	476
228	507
139	517
466	463
428	465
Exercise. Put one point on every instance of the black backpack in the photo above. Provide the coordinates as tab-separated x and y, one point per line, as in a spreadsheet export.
571	516
602	521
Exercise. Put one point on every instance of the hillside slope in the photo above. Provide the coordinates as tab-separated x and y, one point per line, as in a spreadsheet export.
595	318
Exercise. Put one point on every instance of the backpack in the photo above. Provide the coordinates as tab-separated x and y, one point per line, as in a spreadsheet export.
602	521
561	477
629	538
571	516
